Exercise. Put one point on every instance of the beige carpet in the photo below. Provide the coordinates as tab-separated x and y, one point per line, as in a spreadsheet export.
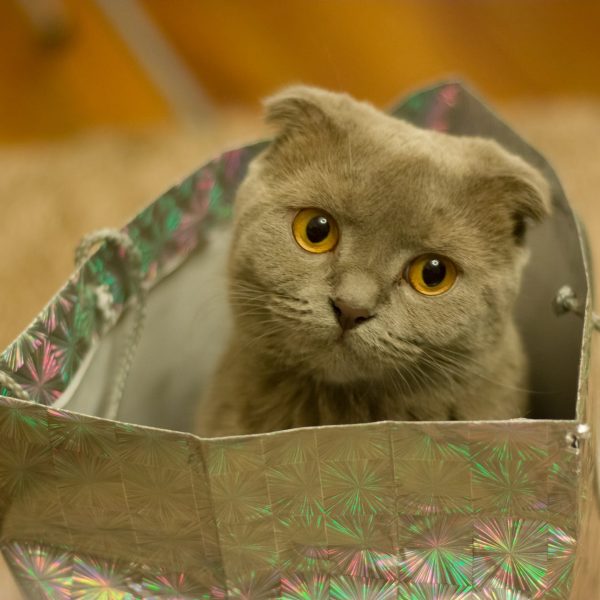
50	195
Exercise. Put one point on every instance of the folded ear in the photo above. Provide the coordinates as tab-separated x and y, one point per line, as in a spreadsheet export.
518	187
529	191
301	109
530	200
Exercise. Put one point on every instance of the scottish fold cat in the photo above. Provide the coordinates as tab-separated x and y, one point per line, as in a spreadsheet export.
373	274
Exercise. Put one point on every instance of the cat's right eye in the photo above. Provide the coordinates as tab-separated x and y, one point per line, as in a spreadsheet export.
315	230
432	274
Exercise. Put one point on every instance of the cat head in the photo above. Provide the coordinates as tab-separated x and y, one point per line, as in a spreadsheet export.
364	245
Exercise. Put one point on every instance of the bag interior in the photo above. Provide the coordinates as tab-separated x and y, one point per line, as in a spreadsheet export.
188	323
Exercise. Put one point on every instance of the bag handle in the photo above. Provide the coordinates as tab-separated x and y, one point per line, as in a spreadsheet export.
18	390
133	255
134	271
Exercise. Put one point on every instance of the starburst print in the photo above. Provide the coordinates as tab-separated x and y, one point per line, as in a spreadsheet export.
430	441
175	544
305	587
295	489
89	480
24	469
70	348
359	588
422	591
561	560
177	586
520	441
240	496
45	572
425	487
40	374
82	434
254	586
437	550
58	312
563	487
151	447
301	542
28	342
510	486
25	422
100	580
511	553
163	493
353	443
362	547
230	455
360	487
101	531
291	447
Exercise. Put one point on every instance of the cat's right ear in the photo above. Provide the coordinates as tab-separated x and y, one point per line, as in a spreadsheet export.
299	110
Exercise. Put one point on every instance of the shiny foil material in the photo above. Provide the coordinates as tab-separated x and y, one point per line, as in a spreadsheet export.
95	509
398	510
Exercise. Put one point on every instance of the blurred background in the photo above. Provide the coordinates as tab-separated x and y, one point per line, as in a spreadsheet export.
71	65
104	103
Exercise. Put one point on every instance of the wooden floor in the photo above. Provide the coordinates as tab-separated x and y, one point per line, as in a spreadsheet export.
52	195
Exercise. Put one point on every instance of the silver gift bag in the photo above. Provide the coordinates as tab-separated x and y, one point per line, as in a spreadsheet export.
103	495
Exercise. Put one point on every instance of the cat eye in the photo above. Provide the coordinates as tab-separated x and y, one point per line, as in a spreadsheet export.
315	231
432	274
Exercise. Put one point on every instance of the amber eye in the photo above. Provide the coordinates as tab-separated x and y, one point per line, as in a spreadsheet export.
432	274
315	230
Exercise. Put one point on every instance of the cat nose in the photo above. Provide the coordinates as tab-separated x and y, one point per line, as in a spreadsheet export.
349	316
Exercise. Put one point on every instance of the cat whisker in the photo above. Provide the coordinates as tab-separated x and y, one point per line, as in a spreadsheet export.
463	370
253	340
406	341
251	313
445	374
419	359
420	377
292	309
289	312
249	298
251	289
269	304
401	350
402	373
459	364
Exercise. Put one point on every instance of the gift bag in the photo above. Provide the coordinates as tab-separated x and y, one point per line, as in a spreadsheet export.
104	494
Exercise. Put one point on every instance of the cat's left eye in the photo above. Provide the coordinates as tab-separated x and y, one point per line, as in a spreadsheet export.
432	274
315	230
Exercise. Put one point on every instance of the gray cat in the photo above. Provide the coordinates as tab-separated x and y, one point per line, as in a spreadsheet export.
373	274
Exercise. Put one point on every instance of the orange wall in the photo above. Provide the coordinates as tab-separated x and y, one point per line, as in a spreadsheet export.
89	79
240	50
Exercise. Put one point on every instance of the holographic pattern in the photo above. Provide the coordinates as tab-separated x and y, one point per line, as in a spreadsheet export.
100	510
122	510
44	359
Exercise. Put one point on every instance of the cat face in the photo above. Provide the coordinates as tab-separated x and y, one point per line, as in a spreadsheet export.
367	248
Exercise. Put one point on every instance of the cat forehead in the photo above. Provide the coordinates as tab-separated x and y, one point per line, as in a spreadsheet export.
388	193
381	168
383	148
353	175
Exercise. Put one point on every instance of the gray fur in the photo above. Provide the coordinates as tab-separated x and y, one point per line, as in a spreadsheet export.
396	192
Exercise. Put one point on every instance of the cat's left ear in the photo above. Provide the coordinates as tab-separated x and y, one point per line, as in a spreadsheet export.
530	197
519	188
